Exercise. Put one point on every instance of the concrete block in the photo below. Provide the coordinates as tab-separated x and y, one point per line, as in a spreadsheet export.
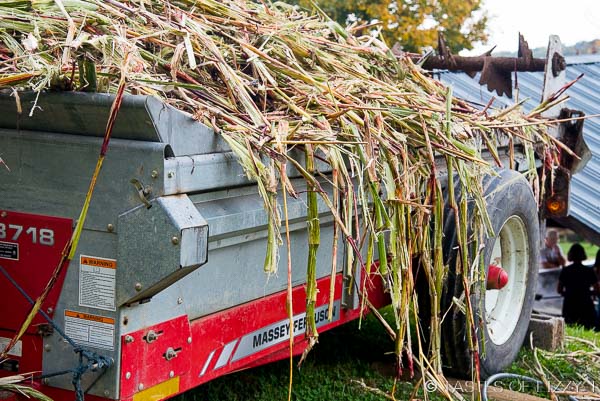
548	332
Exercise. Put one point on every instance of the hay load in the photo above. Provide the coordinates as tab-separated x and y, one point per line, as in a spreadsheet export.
270	78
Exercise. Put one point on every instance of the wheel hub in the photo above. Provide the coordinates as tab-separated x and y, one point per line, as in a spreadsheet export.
497	278
507	280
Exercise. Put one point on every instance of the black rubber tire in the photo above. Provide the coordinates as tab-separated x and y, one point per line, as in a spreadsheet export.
507	195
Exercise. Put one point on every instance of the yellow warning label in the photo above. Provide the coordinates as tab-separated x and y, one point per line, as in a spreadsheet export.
98	262
159	392
87	316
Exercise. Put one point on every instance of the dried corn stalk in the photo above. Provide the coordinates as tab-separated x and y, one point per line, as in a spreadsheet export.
242	68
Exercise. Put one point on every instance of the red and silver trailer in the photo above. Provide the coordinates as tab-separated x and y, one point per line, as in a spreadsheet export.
166	290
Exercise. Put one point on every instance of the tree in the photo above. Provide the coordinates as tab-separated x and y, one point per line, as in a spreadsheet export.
413	23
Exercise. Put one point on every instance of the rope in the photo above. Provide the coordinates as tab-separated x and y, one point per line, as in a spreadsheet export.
89	361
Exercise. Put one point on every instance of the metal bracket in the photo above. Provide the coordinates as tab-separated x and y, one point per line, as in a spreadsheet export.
142	191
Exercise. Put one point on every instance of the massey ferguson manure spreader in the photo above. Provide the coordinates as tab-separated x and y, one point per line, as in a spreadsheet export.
166	289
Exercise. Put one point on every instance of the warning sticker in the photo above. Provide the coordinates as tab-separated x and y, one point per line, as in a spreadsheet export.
16	350
91	330
97	277
9	250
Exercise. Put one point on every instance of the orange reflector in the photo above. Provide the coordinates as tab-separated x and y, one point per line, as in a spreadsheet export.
556	206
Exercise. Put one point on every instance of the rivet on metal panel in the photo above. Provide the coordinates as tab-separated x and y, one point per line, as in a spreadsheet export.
141	387
138	286
3	214
128	339
171	374
47	347
189	340
106	393
110	228
179	301
154	174
128	375
49	310
175	240
170	174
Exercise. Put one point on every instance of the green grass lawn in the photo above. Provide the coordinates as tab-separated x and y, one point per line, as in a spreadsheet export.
575	368
590	249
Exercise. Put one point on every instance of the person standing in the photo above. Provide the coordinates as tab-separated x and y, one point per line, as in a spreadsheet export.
597	264
575	284
551	256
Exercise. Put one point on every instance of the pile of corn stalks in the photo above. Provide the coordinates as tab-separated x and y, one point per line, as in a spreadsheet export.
270	78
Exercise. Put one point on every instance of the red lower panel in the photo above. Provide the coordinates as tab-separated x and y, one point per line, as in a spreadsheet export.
154	355
30	248
175	356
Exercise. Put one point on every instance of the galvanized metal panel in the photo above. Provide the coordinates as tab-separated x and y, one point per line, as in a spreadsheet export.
58	354
584	96
140	118
158	246
50	174
234	272
214	171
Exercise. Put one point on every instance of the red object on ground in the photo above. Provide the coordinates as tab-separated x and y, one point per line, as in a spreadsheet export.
497	278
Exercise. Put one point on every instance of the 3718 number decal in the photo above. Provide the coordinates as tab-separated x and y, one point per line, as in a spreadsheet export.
12	232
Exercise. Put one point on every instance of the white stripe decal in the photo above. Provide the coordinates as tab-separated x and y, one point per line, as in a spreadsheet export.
279	332
210	357
225	354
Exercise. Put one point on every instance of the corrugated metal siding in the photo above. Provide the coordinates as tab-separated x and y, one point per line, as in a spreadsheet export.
585	96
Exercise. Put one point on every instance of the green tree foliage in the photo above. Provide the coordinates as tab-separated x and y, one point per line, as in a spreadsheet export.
413	23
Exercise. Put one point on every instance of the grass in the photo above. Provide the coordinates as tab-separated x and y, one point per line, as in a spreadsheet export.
590	249
346	355
574	368
342	355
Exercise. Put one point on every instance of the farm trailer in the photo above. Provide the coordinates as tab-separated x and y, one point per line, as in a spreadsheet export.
166	290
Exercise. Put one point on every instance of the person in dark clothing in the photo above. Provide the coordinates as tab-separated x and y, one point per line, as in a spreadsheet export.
574	284
597	264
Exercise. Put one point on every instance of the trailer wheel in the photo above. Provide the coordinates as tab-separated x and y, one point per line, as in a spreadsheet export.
501	316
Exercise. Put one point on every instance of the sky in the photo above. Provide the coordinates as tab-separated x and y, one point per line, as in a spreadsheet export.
572	20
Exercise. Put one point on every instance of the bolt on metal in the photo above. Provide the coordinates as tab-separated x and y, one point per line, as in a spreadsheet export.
151	336
170	354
